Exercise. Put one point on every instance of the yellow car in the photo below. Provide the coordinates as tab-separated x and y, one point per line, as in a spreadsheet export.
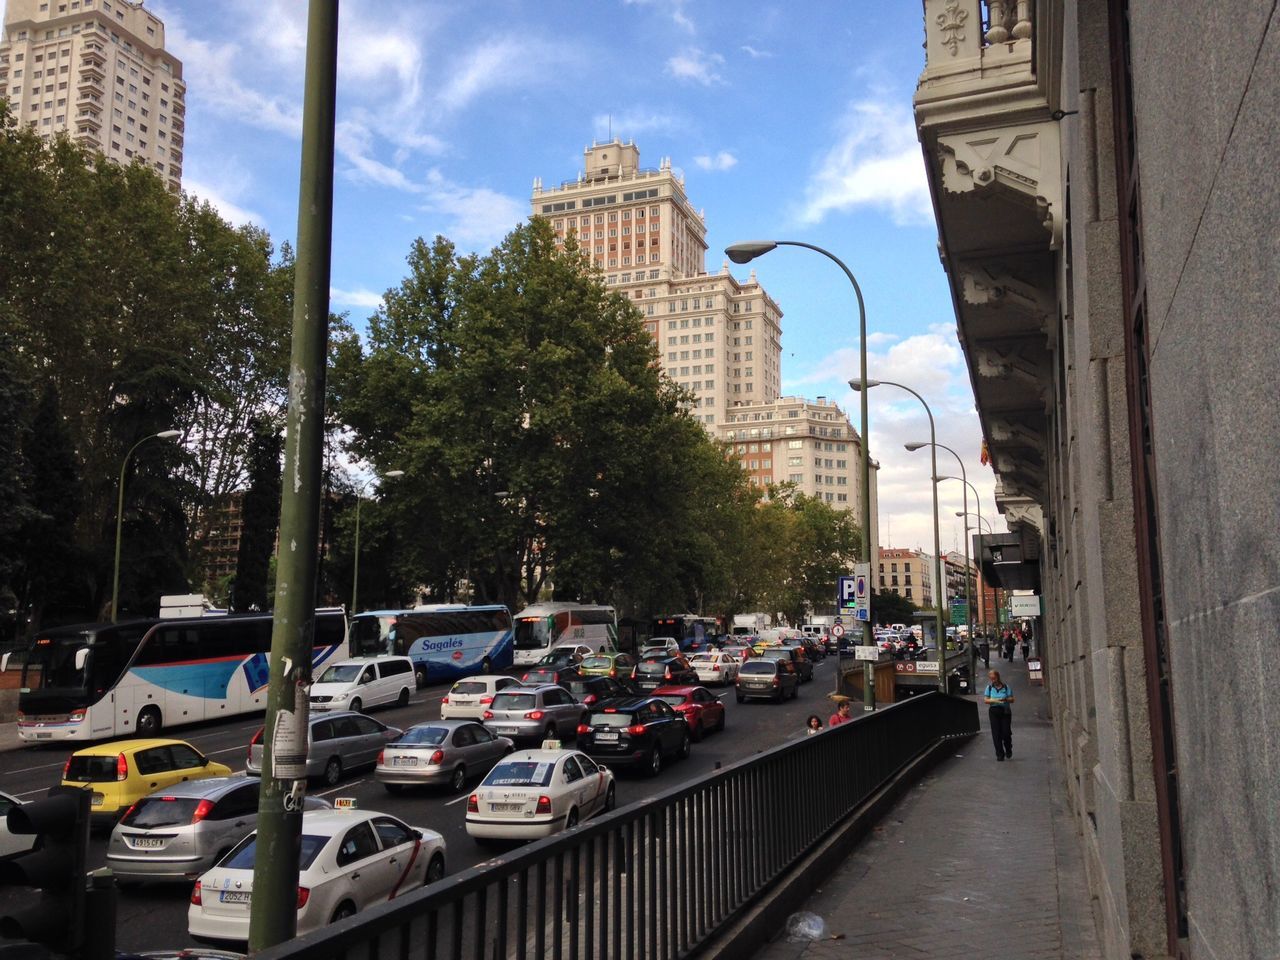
122	773
760	646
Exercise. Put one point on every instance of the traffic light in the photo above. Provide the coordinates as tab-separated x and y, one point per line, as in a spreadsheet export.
55	867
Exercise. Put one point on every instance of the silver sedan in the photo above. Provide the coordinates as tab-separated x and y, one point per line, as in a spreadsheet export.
440	752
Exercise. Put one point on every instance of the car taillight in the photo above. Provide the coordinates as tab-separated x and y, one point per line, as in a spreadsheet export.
524	678
484	700
437	757
635	673
534	715
473	804
613	671
76	716
444	700
203	809
777	682
544	805
636	729
257	737
195	894
128	814
122	767
66	769
666	675
589	699
304	894
488	714
382	758
583	728
715	668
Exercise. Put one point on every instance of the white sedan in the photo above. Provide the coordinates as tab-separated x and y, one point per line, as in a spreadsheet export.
535	793
12	843
351	860
715	667
469	698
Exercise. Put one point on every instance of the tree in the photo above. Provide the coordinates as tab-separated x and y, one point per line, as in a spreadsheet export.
260	514
888	607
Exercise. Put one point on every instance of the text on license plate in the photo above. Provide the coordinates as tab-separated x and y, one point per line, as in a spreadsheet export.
504	729
506	807
404	761
146	843
234	896
606	736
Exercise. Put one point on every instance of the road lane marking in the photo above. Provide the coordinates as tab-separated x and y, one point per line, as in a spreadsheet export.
44	766
450	803
214	753
346	786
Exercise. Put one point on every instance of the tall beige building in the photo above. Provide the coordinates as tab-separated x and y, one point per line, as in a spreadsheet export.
98	70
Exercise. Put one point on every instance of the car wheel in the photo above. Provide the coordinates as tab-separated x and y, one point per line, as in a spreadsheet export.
486	665
720	725
459	779
571	820
610	798
393	787
550	733
655	762
332	772
403	700
148	722
356	704
781	695
345	909
435	869
684	748
741	698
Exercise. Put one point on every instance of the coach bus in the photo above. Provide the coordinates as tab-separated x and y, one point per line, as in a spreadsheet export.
545	625
101	680
445	641
689	630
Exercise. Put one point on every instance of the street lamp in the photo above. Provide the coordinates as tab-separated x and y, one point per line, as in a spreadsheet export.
355	563
745	253
940	589
115	576
982	597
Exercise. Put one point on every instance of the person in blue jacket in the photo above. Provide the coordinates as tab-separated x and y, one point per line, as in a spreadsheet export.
1000	714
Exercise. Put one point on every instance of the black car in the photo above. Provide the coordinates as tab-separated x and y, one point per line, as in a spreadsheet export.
654	672
590	691
639	732
551	673
767	679
803	665
815	650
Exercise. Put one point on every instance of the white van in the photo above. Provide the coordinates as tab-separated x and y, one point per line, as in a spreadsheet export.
364	682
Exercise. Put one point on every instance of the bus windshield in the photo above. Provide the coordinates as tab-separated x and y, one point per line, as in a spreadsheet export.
533	633
370	635
51	664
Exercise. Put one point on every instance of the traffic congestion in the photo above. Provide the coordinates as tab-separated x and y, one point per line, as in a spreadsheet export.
411	776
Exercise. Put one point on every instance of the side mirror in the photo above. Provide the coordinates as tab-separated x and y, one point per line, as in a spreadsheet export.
82	657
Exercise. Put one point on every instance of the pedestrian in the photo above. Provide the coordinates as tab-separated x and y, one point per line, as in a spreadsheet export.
984	648
1000	714
843	714
1026	647
813	725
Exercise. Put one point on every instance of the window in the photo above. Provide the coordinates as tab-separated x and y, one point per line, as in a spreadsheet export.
357	845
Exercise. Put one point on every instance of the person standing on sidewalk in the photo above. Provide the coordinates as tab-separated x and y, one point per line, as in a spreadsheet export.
1000	714
843	714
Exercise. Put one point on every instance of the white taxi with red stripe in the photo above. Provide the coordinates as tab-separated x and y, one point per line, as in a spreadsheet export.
535	793
351	860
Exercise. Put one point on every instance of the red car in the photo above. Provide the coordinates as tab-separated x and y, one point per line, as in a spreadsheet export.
701	709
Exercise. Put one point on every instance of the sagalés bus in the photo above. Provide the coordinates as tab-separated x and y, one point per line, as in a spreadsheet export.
445	641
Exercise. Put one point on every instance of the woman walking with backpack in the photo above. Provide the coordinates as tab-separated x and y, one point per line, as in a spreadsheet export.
1000	714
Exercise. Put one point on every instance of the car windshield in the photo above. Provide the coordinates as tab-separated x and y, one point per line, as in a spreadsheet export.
90	769
427	736
469	686
532	633
674	699
341	673
520	773
597	663
704	658
241	858
610	719
515	701
161	812
761	667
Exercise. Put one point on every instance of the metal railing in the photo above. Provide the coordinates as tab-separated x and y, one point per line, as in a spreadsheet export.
659	878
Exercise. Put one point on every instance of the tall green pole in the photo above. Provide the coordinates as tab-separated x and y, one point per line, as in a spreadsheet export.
274	916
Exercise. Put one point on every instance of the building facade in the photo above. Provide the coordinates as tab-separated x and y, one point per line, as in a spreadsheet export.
98	71
1102	172
908	573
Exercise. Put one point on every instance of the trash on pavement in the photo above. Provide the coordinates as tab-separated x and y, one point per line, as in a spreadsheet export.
804	926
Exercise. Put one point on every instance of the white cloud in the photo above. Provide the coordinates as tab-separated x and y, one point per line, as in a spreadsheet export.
475	217
879	338
696	66
501	64
754	53
720	161
633	122
875	163
232	212
365	299
675	9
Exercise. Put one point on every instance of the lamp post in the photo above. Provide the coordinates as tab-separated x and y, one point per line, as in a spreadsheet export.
745	253
940	590
355	562
115	576
982	605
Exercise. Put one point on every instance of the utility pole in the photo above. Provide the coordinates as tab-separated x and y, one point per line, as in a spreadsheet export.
274	916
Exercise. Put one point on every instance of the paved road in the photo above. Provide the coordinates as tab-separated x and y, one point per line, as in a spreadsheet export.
155	917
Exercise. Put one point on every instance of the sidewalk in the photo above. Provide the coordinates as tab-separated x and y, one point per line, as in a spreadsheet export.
980	860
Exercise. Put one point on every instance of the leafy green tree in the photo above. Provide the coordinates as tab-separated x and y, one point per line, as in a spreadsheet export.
888	607
260	514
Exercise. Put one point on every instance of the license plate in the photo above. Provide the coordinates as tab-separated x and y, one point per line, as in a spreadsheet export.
504	730
506	807
233	896
96	800
606	736
146	843
404	761
44	736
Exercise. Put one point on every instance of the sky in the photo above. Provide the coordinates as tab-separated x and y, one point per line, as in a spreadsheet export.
789	121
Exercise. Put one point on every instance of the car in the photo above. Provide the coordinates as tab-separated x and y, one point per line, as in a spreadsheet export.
739	651
440	752
336	743
702	710
123	772
639	732
657	646
813	649
767	678
662	670
607	664
12	843
350	860
715	667
803	665
589	691
536	712
470	697
364	682
567	653
550	673
535	793
180	832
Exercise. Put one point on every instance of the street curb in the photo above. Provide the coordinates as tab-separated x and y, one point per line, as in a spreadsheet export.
751	932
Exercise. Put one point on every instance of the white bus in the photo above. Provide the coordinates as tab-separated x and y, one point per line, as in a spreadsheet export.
101	680
445	640
545	625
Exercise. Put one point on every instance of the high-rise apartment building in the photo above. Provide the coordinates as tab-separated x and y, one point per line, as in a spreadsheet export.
98	70
908	573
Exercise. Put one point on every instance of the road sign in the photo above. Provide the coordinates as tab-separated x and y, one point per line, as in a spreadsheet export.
926	666
866	653
837	631
959	612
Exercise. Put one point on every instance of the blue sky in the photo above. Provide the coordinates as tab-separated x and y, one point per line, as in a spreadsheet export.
788	120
